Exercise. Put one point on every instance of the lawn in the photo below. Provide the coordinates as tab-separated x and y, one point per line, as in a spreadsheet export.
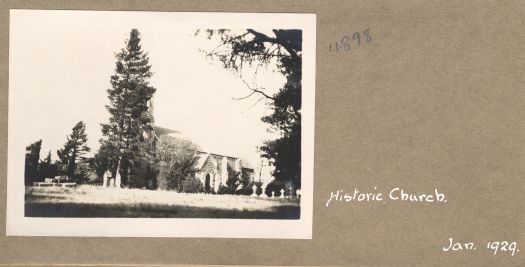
93	201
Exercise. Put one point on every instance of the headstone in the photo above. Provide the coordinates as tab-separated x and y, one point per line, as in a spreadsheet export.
298	193
282	193
105	181
290	195
254	194
273	193
263	191
117	181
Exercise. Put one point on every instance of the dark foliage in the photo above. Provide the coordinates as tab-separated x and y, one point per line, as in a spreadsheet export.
236	178
129	107
46	168
31	162
274	186
83	173
247	184
74	150
104	159
232	182
192	185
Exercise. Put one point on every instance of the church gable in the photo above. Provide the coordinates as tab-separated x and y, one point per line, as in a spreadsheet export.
210	165
208	173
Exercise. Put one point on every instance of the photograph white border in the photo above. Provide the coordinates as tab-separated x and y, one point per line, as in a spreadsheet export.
18	225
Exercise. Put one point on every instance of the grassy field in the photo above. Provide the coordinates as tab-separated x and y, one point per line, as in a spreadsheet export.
97	202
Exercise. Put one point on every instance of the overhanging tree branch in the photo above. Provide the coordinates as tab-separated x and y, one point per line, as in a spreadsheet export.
261	37
256	90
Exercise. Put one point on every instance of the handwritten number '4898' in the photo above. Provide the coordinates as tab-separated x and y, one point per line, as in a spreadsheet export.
356	39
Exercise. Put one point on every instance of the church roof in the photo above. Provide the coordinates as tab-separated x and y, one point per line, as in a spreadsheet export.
201	156
199	161
217	154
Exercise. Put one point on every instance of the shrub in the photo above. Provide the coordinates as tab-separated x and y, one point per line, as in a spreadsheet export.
225	190
248	189
83	174
191	185
259	191
275	186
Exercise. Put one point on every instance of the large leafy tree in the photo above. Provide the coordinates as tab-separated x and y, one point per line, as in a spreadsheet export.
175	161
283	50
31	162
75	149
130	116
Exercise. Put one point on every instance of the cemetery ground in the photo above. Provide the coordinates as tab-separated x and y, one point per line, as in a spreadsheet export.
87	201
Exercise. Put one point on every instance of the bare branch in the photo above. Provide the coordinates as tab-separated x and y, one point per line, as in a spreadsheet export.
241	98
259	100
257	90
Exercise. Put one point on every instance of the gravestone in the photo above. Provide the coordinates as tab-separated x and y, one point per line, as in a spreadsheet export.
263	194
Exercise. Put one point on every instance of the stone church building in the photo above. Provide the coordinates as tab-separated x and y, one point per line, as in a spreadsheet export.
212	169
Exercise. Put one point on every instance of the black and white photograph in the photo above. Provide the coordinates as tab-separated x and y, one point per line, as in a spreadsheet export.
127	123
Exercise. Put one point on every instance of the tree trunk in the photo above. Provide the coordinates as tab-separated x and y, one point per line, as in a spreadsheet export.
71	165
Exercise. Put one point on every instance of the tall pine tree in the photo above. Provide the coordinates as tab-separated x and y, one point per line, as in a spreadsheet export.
129	97
74	149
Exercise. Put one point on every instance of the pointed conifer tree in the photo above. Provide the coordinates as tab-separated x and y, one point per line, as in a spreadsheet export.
74	149
130	95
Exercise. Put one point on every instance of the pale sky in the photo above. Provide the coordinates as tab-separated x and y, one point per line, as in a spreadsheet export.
60	68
